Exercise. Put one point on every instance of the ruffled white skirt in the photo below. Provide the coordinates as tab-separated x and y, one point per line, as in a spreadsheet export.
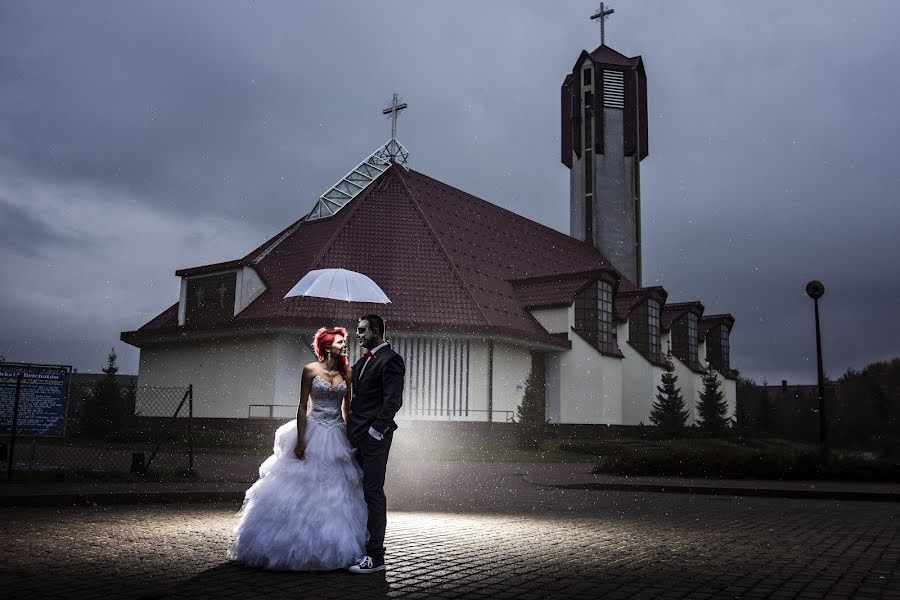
304	515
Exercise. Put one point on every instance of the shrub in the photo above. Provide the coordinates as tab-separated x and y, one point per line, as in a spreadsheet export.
668	412
531	422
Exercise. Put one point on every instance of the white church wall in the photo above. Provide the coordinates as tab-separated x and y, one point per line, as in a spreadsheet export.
690	385
554	320
553	391
478	380
512	364
591	385
182	301
228	374
639	381
249	287
291	354
729	387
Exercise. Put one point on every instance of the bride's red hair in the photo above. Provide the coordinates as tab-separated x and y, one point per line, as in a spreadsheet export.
324	338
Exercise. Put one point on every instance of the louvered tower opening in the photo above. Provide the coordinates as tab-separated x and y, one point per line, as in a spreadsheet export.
613	89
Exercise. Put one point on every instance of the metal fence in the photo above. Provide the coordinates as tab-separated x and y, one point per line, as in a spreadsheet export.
149	431
288	411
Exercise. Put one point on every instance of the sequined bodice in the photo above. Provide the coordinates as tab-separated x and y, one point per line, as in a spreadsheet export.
327	401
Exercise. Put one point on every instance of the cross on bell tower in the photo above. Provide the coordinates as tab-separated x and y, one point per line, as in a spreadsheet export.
602	14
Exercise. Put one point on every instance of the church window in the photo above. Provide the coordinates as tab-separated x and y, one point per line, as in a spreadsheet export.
589	197
210	298
594	318
586	313
723	338
693	358
653	330
607	332
586	76
643	329
588	136
717	348
684	340
637	328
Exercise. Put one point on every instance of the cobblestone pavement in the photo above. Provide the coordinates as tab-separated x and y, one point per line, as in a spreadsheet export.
532	543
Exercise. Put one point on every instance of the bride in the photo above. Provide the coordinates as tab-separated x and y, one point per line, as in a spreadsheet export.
306	511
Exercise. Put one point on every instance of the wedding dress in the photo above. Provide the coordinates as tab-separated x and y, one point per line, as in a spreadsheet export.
306	515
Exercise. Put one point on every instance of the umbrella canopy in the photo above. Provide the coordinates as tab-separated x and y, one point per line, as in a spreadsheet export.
339	284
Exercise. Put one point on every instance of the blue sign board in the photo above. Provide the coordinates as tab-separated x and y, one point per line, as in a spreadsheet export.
42	399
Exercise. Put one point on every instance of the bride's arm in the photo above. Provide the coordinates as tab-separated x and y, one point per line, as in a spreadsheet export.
305	384
345	405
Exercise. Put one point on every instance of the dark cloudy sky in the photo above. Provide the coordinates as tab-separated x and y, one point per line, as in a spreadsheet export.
141	137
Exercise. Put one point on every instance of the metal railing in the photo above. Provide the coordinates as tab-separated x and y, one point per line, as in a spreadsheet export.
449	415
271	410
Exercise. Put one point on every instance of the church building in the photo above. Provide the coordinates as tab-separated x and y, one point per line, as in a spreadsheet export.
480	296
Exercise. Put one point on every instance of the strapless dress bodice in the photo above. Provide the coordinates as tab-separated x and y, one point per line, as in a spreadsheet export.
327	401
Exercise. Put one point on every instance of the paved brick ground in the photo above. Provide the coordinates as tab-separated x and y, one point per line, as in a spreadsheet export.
526	543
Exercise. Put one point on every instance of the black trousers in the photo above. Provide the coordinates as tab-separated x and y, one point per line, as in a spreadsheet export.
372	455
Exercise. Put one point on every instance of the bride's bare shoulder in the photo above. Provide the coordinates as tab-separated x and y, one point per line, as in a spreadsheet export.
311	369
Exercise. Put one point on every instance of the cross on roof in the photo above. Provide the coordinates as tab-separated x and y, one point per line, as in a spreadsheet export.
394	110
602	14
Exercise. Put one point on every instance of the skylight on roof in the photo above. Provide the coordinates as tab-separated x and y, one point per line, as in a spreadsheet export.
357	180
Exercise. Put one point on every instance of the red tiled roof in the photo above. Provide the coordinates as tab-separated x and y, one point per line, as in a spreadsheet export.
673	312
606	55
449	262
167	318
558	289
231	264
628	299
709	321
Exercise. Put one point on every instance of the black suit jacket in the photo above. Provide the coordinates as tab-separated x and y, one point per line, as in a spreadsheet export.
377	395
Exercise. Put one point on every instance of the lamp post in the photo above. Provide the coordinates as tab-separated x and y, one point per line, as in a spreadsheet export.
815	290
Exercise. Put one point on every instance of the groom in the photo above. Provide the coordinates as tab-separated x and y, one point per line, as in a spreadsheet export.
377	396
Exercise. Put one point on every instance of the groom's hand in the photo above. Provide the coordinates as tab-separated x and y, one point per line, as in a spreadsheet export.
299	451
376	434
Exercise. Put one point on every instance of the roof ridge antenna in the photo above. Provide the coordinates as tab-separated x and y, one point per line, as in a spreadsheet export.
363	174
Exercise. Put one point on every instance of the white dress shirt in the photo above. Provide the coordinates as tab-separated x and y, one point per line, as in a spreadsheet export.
372	431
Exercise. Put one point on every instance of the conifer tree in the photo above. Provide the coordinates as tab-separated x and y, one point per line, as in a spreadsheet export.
530	419
712	407
104	411
668	411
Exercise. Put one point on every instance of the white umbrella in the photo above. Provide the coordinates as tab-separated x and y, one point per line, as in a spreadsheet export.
339	284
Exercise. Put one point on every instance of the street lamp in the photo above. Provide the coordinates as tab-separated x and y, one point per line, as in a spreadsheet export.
815	290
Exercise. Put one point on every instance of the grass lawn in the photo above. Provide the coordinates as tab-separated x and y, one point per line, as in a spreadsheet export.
734	457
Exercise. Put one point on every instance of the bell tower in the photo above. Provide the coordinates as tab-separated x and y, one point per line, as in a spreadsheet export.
604	139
